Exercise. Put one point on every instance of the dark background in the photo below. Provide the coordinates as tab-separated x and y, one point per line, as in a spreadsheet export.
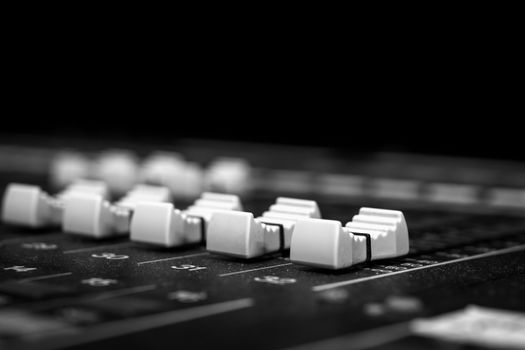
443	93
440	121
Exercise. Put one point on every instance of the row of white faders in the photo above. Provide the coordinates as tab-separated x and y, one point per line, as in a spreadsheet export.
94	216
121	170
145	212
373	234
293	224
163	225
241	235
29	205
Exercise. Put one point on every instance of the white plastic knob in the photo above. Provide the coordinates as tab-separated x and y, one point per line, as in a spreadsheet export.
25	205
158	223
93	216
236	234
88	215
184	179
29	205
188	182
233	200
85	186
118	169
161	224
373	234
160	167
67	167
145	193
303	207
242	235
230	175
322	243
388	230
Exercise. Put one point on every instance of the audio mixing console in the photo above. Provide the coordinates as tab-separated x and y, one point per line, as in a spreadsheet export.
461	283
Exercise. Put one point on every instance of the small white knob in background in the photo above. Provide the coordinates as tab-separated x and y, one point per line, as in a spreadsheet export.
230	175
67	167
118	169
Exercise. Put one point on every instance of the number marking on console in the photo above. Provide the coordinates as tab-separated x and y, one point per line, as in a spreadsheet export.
39	246
19	268
99	282
189	267
275	280
110	256
185	296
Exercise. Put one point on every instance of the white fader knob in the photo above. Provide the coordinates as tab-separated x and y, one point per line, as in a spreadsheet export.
387	229
241	235
230	175
163	225
118	168
94	216
373	234
160	167
67	167
190	182
29	205
184	179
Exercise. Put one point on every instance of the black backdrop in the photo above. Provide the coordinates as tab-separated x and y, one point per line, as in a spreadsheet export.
454	98
478	124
